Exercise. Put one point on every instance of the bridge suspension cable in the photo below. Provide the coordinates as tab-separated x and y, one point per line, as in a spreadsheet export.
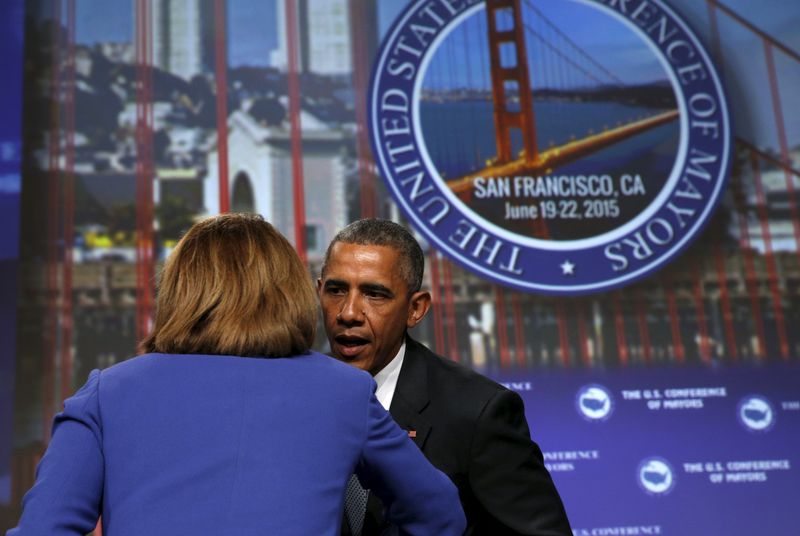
577	48
539	37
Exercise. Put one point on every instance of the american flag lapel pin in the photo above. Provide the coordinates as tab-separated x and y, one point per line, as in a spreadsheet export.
412	434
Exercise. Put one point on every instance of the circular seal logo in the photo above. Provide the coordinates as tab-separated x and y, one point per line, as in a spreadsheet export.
561	147
656	476
594	402
756	413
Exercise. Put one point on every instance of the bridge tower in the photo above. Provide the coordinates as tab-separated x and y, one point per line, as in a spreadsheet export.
145	169
509	66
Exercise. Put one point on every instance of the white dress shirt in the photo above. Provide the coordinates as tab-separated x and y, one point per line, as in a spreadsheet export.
387	378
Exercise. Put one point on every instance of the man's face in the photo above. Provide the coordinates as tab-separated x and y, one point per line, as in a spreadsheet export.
366	305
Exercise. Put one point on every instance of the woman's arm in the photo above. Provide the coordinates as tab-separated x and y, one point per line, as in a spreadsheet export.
419	499
67	496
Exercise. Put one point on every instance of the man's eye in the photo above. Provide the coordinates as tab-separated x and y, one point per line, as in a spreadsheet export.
375	295
336	291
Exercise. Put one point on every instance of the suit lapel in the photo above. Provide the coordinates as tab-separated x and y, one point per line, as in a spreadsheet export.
411	395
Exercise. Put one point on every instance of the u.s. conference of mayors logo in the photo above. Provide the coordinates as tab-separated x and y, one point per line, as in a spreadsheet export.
656	476
594	402
562	147
756	413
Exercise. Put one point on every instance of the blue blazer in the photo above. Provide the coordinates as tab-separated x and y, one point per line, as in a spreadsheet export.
209	445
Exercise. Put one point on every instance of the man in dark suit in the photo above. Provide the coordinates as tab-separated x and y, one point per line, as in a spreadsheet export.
468	426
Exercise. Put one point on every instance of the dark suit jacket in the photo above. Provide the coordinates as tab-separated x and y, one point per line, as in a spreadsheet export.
474	430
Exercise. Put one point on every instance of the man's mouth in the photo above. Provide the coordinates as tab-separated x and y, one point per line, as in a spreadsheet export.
349	346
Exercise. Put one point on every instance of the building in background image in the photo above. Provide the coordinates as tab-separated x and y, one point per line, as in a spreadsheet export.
326	30
183	36
260	171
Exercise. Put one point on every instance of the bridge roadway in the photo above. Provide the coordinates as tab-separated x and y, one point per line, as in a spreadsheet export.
563	154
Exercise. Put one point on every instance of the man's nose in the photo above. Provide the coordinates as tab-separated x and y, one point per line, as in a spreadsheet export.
352	311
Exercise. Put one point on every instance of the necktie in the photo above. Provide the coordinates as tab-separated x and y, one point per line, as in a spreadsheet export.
355	505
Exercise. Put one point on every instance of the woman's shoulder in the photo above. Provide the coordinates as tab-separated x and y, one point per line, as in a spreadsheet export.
131	366
331	367
323	374
311	363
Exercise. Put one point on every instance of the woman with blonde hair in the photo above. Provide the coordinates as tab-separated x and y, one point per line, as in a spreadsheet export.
228	423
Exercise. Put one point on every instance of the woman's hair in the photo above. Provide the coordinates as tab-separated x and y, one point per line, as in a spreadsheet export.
233	286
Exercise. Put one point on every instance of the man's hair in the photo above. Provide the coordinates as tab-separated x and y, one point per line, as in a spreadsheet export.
376	232
233	286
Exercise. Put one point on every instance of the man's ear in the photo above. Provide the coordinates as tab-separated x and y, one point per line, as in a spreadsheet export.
319	285
418	307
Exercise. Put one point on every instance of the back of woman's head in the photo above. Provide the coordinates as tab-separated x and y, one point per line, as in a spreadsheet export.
233	286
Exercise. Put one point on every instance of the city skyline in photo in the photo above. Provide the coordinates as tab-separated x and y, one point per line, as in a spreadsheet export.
253	38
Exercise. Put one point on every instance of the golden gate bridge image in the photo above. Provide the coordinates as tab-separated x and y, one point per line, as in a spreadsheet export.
513	92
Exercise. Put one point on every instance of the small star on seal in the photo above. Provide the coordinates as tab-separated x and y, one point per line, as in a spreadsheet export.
567	268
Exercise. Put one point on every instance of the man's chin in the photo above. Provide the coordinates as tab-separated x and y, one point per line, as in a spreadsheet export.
355	356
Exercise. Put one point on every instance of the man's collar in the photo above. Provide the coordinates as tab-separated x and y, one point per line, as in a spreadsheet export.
393	367
387	378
